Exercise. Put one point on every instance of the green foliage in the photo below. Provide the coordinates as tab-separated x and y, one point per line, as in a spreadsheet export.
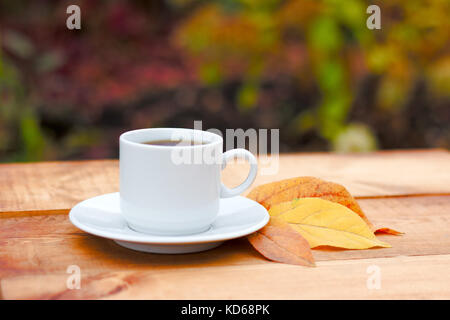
340	50
247	96
32	136
17	119
355	138
303	65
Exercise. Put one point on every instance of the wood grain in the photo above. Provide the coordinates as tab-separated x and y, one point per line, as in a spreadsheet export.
378	174
58	186
422	277
54	186
50	243
38	243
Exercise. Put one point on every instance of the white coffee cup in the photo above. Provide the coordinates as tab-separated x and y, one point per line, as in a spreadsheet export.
175	190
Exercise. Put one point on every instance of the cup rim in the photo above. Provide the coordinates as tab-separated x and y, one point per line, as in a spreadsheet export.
125	138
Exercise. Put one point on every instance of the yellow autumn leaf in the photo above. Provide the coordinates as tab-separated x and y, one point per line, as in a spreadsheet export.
326	223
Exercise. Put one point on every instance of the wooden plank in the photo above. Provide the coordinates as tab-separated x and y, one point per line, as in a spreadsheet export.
385	173
54	186
422	277
38	243
50	243
57	187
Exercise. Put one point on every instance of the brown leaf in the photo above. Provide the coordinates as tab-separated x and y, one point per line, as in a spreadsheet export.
278	241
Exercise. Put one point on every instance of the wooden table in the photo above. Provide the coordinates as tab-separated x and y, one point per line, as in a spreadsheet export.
405	190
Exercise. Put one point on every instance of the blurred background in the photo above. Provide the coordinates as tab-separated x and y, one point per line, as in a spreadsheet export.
308	67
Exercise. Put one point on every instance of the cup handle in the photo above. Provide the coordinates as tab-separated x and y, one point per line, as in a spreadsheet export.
226	192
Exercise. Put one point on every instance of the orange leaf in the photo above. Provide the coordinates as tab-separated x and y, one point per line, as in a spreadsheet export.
278	241
389	231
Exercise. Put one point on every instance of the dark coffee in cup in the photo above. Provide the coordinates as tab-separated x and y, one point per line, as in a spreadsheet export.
172	143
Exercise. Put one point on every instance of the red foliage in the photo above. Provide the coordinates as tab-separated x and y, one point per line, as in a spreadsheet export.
122	50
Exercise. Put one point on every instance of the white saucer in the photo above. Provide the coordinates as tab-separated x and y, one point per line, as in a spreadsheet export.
100	216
